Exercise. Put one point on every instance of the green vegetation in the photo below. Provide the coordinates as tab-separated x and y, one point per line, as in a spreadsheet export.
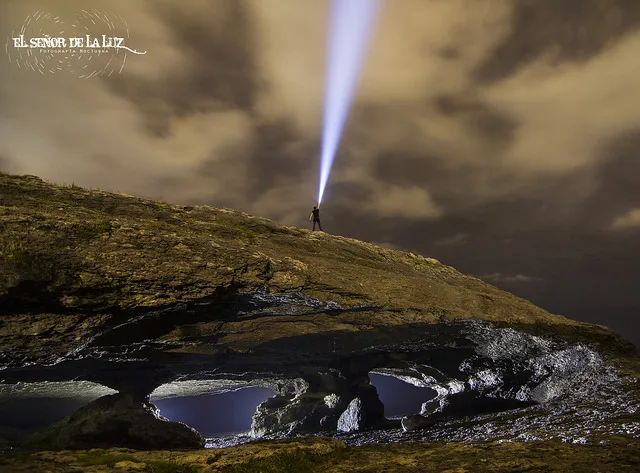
93	458
101	458
616	453
298	460
242	230
169	467
20	258
89	232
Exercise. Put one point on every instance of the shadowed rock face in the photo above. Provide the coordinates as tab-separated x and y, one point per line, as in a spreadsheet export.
147	297
117	420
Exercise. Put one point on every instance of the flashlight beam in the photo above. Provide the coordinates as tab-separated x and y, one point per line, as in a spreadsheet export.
351	24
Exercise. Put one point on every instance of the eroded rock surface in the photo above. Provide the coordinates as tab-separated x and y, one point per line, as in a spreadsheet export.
145	297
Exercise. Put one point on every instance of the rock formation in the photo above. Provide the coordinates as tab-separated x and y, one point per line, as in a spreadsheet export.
117	420
140	296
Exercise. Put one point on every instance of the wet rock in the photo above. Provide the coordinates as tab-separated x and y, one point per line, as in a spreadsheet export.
116	421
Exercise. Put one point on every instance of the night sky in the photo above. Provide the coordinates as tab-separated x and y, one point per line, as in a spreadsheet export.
500	137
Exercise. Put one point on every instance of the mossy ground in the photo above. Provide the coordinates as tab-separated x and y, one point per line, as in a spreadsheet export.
138	252
618	454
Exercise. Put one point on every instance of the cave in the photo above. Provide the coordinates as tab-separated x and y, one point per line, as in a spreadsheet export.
420	381
400	398
215	414
20	417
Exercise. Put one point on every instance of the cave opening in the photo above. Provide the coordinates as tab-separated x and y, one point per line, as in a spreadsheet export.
21	417
215	414
400	398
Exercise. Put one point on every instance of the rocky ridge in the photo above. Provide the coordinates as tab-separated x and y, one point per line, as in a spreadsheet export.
143	297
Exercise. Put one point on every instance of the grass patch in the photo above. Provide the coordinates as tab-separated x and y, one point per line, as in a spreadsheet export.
155	466
107	459
18	257
88	232
169	467
21	259
245	231
298	460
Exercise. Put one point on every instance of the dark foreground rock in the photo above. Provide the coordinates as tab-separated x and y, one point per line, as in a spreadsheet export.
147	297
116	420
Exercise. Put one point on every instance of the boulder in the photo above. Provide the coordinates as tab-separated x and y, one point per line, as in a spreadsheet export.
415	422
362	412
352	419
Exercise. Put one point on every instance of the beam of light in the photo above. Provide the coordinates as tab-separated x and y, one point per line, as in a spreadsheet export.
351	24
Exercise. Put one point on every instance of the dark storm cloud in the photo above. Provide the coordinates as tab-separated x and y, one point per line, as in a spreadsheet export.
449	53
223	47
457	239
218	42
488	123
617	173
453	185
278	153
567	30
509	279
450	181
589	200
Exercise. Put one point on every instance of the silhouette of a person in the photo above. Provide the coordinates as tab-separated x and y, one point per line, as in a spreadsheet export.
315	216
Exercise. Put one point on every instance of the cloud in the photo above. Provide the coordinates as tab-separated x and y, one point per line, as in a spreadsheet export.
5	164
452	113
412	202
563	32
509	279
456	240
629	220
388	246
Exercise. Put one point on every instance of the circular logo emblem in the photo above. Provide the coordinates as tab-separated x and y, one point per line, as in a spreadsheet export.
92	44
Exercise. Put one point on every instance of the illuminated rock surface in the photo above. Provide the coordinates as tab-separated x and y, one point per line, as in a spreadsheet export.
145	297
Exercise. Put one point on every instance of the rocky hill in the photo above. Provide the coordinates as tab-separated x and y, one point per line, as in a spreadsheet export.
140	296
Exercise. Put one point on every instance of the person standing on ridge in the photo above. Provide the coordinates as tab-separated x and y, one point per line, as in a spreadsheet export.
315	216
